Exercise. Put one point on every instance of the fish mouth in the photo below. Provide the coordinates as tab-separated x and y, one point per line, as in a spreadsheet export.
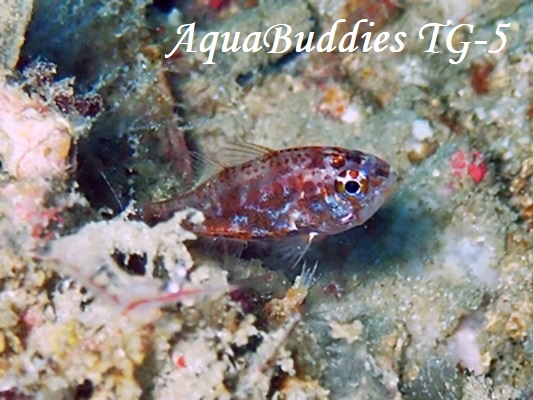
385	191
379	197
390	184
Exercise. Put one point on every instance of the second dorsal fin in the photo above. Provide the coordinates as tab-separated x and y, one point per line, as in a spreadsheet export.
204	167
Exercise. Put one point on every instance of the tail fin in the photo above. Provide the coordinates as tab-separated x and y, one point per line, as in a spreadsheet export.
153	213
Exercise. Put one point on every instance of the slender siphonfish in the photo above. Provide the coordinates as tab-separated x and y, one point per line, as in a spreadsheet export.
295	192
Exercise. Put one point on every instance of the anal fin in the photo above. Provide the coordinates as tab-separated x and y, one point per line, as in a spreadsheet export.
288	252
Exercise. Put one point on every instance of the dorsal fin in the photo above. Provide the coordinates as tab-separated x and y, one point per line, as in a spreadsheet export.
238	152
203	168
241	151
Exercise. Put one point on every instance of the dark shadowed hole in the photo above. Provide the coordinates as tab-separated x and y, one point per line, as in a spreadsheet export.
253	344
231	379
133	264
287	58
100	172
165	6
276	383
245	79
84	304
84	390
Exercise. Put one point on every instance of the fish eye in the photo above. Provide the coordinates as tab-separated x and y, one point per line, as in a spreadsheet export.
352	187
352	182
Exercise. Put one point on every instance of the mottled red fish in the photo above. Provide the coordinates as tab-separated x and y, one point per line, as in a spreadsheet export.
303	191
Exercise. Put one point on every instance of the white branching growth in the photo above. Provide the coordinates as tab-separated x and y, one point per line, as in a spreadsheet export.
88	256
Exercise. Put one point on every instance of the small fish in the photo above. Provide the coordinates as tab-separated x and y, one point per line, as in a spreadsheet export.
302	191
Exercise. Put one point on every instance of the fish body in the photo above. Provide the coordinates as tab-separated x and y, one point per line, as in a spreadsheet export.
281	193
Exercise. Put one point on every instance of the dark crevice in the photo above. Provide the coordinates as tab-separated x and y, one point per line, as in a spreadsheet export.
84	390
133	264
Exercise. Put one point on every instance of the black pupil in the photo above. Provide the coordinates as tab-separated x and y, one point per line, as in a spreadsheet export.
352	187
